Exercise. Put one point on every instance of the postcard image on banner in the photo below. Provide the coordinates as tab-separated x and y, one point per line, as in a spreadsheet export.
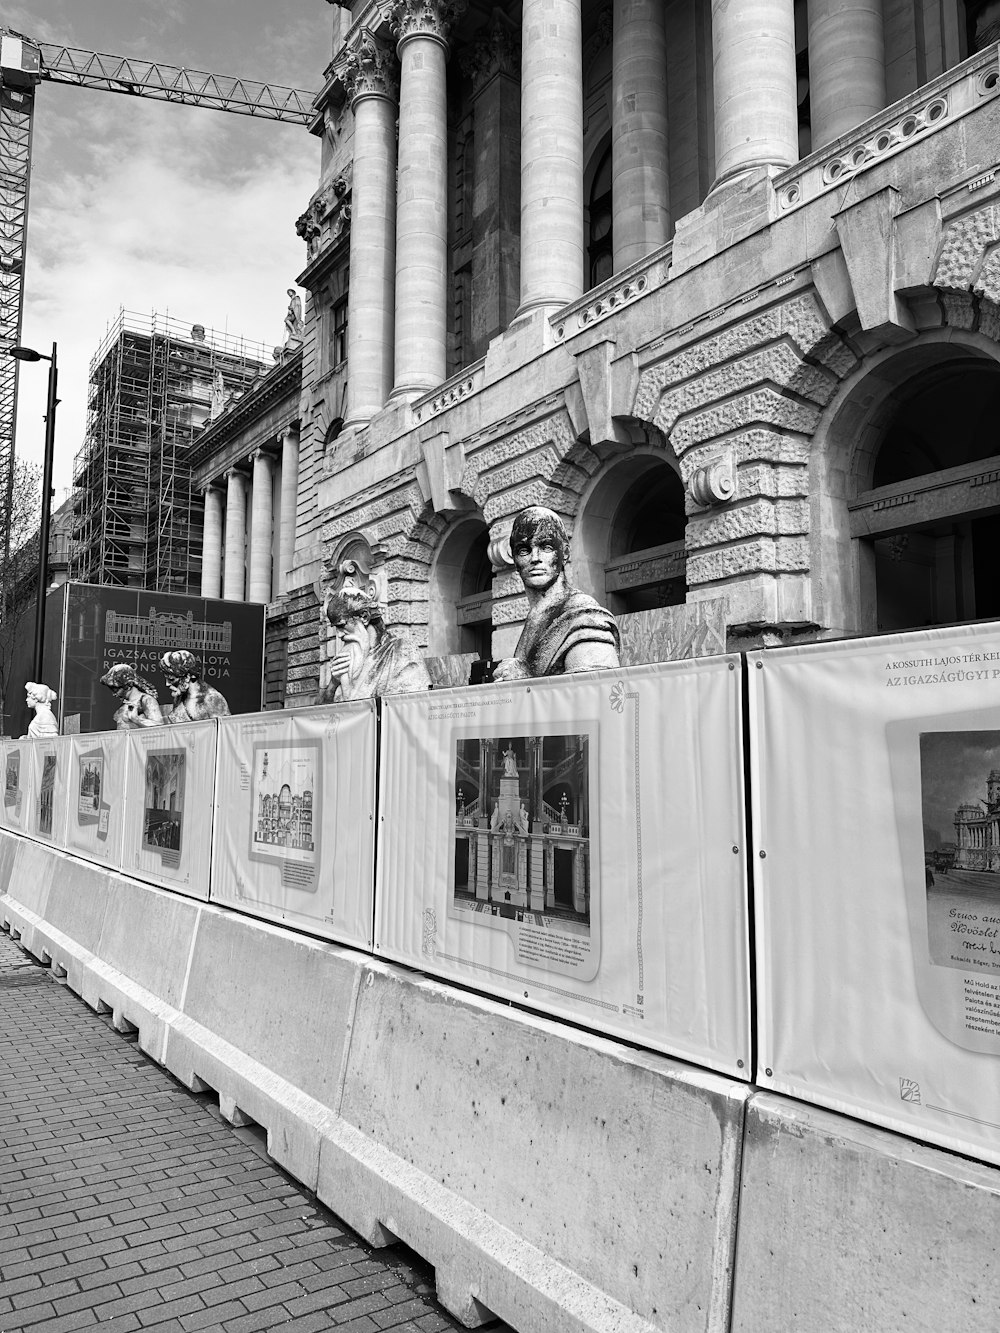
285	795
525	848
946	771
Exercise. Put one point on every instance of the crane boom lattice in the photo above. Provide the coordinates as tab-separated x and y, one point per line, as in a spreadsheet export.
168	83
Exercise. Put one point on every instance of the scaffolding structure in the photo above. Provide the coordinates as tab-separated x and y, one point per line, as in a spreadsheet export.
137	522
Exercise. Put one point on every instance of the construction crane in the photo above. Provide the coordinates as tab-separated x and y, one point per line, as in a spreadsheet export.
23	65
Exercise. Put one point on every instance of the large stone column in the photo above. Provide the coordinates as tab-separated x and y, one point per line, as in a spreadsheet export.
421	195
288	505
234	570
846	66
639	185
756	113
261	521
551	154
211	545
369	74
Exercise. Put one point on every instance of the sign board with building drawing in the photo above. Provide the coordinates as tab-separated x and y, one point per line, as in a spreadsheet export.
577	844
294	818
96	788
878	922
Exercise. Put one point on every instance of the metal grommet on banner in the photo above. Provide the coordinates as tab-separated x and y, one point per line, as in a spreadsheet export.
739	1064
768	1072
732	666
762	855
760	666
736	850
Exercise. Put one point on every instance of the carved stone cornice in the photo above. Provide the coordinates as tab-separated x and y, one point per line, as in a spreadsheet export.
368	68
423	18
499	52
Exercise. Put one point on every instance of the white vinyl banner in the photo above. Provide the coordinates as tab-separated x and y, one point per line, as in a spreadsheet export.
168	810
18	769
295	818
576	844
95	795
876	807
48	762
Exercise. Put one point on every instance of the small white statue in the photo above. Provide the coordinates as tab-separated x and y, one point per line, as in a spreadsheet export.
509	763
294	326
41	698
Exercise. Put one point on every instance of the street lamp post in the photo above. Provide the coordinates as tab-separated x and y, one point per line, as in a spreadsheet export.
52	402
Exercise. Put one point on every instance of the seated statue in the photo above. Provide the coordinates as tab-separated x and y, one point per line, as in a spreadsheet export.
566	630
139	704
41	698
194	700
369	659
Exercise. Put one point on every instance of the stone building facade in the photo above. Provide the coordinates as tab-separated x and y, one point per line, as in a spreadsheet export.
718	282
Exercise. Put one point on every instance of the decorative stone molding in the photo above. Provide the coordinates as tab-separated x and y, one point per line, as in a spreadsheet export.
714	483
500	553
453	391
423	18
368	68
499	52
952	95
329	208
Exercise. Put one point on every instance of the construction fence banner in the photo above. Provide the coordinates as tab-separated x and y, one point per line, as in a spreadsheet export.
47	787
577	844
95	795
294	837
876	807
168	810
17	769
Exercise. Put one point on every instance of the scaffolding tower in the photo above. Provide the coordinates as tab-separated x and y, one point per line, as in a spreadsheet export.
137	523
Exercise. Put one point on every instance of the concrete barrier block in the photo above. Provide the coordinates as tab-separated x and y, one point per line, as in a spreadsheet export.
30	871
148	935
267	1016
614	1171
77	900
846	1227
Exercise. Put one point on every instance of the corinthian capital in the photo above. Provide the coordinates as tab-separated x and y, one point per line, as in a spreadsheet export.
368	68
424	18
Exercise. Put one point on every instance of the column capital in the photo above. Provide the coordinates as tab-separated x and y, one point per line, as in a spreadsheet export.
499	52
263	454
234	472
423	18
368	68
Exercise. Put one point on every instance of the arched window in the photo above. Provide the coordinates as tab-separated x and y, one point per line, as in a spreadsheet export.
929	518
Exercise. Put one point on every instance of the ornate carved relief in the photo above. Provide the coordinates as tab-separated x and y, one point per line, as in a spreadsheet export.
499	52
368	68
424	18
965	243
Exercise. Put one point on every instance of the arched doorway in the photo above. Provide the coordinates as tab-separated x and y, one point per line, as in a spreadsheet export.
628	546
927	508
460	607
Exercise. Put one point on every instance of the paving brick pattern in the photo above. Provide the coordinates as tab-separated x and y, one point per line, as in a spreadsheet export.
125	1200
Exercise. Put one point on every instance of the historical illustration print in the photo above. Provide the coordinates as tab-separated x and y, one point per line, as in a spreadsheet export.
46	795
12	784
285	793
960	805
163	807
90	787
523	855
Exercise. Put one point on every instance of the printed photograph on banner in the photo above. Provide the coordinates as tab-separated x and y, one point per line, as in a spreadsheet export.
46	795
90	785
285	791
12	784
960	806
163	810
524	859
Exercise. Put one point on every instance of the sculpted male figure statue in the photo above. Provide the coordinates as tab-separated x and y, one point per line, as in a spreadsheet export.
369	659
566	630
193	699
41	698
139	704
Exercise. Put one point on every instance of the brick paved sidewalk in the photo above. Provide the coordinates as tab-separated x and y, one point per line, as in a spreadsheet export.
125	1201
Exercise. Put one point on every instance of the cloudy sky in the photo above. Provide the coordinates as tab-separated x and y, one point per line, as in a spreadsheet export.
157	207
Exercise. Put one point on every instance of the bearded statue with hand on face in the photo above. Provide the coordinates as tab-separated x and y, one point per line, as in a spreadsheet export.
368	659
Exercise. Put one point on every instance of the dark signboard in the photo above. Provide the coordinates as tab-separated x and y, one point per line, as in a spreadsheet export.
89	627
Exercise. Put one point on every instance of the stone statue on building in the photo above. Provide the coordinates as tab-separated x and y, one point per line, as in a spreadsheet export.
566	630
193	699
510	762
139	704
294	325
368	659
41	698
218	401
